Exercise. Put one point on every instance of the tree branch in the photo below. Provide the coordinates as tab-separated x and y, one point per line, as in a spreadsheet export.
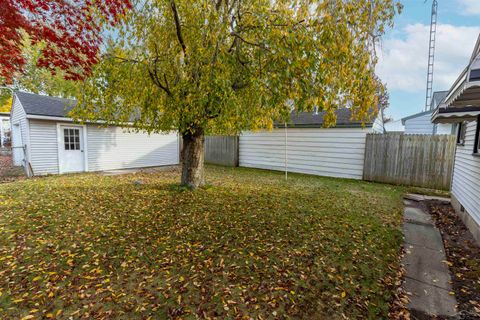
121	58
156	80
178	26
260	45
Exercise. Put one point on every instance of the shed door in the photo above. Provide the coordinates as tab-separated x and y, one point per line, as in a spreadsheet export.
72	157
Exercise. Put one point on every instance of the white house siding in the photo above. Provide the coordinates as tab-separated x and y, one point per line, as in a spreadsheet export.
114	148
444	128
466	175
336	152
419	125
18	116
44	147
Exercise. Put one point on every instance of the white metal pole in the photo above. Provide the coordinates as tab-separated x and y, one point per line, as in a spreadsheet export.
286	152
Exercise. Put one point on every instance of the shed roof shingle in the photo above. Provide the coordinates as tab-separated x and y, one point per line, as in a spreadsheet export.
36	104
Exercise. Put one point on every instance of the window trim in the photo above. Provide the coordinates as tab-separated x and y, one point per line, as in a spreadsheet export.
462	129
476	146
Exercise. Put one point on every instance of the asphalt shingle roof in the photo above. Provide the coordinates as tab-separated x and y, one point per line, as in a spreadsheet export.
344	119
35	104
438	97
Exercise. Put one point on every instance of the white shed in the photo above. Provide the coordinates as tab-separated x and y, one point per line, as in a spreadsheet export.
462	106
305	147
46	141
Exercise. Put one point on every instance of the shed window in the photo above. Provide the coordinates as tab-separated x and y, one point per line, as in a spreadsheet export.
462	130
476	147
71	139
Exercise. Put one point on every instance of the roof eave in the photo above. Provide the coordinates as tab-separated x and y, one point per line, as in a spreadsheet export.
455	115
66	119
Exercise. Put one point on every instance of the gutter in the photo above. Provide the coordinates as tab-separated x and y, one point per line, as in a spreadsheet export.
66	119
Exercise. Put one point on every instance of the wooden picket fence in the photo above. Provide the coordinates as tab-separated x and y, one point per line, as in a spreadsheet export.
410	159
222	150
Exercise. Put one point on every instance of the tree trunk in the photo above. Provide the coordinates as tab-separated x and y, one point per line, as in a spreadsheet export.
193	160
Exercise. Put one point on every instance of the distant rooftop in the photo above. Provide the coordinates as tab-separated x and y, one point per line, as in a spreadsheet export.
437	98
313	119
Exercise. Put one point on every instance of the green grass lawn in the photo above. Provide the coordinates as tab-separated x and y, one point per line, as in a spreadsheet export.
249	246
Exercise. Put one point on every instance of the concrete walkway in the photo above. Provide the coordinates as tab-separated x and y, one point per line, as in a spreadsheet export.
428	281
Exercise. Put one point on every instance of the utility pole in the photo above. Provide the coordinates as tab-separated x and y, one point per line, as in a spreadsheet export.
431	55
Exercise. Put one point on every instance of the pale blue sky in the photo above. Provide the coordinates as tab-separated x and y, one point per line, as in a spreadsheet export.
404	50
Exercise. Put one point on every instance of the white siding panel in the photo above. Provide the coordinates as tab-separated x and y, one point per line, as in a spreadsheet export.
44	147
419	125
336	152
115	148
19	117
466	175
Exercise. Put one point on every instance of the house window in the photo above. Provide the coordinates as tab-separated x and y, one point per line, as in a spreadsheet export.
461	132
71	139
476	147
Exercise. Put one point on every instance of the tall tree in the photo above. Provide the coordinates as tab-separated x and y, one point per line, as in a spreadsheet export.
222	66
70	29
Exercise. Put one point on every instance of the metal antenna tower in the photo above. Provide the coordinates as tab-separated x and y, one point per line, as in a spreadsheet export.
431	54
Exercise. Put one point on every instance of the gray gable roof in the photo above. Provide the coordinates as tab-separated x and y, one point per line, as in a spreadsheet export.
35	104
437	97
312	119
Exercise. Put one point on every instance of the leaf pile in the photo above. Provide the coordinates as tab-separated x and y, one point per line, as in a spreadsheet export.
463	255
8	172
249	246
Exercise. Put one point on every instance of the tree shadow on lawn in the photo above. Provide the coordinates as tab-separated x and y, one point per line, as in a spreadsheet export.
240	248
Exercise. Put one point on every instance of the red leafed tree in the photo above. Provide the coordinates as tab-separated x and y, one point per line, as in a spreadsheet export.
71	30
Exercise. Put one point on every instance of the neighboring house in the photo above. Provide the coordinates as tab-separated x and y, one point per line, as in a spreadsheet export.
394	126
4	128
462	106
421	123
306	147
47	141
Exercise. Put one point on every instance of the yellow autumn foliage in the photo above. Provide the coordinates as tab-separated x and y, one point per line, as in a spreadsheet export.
6	106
